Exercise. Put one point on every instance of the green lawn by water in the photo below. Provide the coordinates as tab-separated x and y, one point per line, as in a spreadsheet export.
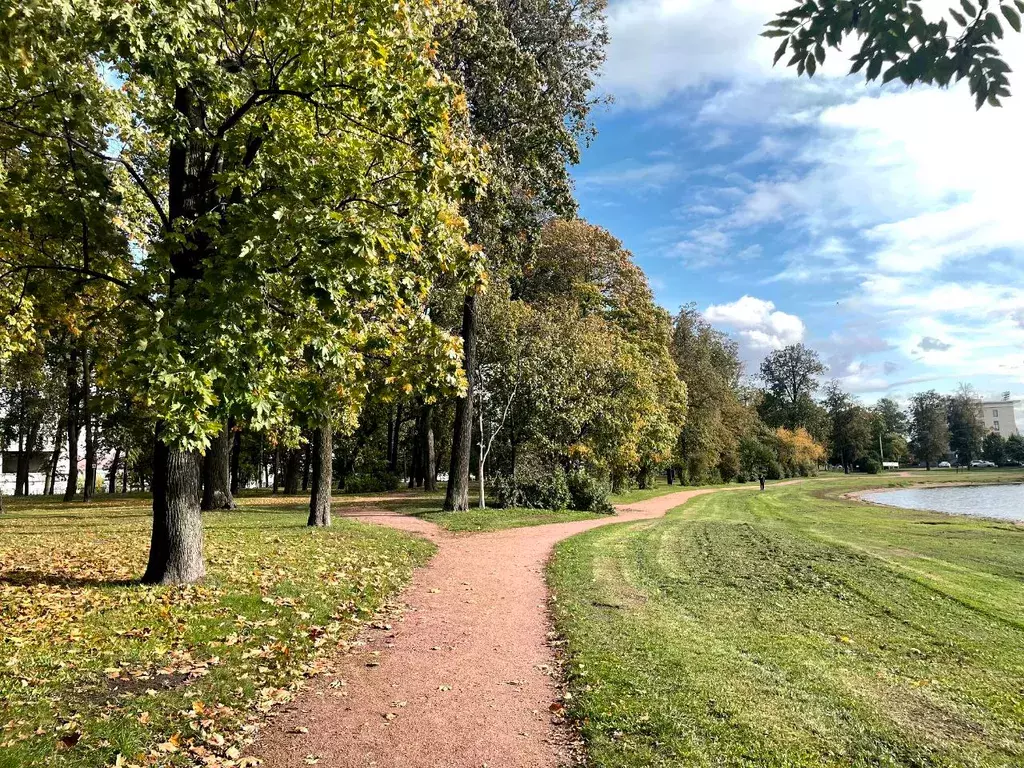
797	628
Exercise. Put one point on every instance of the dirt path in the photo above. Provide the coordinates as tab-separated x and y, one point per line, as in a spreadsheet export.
462	679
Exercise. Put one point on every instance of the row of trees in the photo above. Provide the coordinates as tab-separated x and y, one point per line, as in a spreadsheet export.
248	235
271	216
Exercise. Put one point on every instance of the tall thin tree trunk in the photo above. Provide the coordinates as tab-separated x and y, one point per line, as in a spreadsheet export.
305	464
21	467
236	450
291	472
323	461
481	459
277	467
73	426
457	494
429	454
90	437
124	476
393	444
112	480
216	474
415	471
51	479
176	549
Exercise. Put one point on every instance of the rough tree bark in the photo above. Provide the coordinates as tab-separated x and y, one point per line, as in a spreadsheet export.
457	494
216	474
176	550
323	462
73	426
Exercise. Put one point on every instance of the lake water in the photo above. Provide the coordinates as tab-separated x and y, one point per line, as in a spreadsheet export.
1005	502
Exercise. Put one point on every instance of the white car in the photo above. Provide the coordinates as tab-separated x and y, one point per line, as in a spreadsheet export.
944	465
981	464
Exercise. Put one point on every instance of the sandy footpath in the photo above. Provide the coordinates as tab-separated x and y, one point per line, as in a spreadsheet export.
463	678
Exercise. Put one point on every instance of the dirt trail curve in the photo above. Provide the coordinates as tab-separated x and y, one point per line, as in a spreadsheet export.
460	680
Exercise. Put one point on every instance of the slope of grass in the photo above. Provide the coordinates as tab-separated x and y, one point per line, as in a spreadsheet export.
796	628
96	668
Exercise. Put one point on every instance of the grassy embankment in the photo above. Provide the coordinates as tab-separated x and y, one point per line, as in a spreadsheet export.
96	668
797	628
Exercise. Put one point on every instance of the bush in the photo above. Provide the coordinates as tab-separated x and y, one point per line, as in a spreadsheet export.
741	477
872	466
588	494
372	482
536	489
774	471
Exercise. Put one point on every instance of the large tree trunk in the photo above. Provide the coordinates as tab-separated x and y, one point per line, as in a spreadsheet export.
217	475
90	437
323	461
124	476
176	548
457	495
112	479
73	426
291	471
236	450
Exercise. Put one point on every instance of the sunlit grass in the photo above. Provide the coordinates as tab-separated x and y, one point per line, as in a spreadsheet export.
96	666
797	628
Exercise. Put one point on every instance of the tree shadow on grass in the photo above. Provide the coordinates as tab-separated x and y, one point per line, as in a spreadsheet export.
29	578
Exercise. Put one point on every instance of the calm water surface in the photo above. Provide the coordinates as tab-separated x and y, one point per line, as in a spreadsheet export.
1002	501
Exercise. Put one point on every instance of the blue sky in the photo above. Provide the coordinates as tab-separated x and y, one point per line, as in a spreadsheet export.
883	227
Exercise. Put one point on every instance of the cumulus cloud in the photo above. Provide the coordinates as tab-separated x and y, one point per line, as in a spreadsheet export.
758	325
661	47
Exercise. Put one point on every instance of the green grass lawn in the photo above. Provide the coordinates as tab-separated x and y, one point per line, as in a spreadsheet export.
497	519
94	666
797	628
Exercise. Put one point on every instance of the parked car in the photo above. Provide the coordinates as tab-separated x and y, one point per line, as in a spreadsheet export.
981	464
944	465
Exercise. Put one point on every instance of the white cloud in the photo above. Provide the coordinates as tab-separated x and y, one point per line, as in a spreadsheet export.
661	47
759	326
909	197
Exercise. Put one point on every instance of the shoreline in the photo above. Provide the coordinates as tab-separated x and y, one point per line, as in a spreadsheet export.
858	496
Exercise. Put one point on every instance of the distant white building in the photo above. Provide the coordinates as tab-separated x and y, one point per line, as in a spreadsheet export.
39	468
999	416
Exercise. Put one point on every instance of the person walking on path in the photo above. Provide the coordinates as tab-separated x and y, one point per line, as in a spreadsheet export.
761	480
